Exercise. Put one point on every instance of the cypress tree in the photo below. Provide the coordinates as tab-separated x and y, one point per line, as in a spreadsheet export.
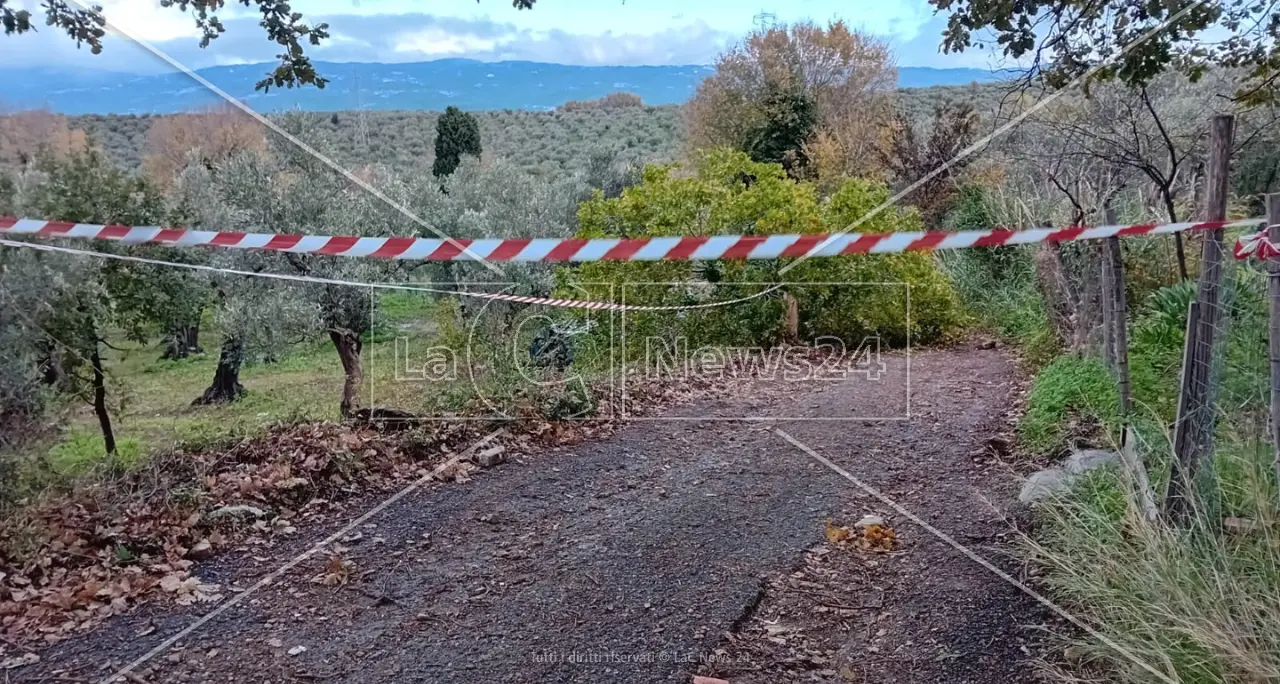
457	133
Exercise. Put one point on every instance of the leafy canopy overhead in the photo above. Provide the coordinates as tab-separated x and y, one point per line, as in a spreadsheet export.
86	25
1064	39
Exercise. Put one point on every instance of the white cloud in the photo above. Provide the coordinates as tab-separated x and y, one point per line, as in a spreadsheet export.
435	42
408	37
147	20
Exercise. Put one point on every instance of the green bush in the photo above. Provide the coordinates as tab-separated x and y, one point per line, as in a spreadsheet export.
728	194
1157	337
1069	387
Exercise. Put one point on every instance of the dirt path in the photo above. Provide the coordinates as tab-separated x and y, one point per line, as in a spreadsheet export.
629	559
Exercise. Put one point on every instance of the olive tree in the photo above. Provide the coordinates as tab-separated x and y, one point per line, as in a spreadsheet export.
255	316
501	201
59	306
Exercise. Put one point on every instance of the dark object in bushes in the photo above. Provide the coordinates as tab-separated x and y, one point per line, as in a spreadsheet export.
385	418
550	347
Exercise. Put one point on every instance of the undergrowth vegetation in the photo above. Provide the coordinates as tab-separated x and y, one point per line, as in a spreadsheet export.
1197	603
1068	391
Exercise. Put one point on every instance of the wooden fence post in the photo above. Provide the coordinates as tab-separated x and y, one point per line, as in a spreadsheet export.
1273	296
1118	305
1108	325
1193	431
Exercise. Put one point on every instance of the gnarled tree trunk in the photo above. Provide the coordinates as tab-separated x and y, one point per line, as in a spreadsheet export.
226	386
100	401
349	344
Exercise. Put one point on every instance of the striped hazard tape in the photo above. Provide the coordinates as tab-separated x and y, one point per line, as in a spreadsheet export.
1257	245
407	287
578	250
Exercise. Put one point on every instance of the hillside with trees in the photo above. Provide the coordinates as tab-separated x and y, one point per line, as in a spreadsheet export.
145	389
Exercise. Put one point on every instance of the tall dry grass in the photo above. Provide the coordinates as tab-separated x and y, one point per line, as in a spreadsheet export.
1200	604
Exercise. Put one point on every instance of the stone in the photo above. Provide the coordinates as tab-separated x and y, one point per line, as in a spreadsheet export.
1080	462
1044	484
709	680
241	511
490	457
201	551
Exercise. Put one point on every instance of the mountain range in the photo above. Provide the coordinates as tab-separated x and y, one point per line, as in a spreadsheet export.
431	85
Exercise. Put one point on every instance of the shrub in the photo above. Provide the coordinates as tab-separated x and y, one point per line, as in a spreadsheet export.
211	138
1157	337
1070	387
457	133
998	284
727	193
836	81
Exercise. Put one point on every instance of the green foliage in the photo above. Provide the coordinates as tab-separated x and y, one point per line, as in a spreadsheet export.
82	452
1069	388
86	24
1128	40
998	284
57	308
146	296
8	201
84	188
791	117
847	297
457	133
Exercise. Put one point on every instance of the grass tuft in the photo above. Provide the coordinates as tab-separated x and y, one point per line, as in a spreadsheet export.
1199	604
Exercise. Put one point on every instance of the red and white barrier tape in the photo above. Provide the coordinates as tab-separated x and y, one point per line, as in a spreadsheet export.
1258	245
577	250
488	296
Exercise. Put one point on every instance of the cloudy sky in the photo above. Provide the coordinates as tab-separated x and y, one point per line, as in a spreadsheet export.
586	32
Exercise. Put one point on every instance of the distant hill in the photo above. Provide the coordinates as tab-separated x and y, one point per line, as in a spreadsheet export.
377	86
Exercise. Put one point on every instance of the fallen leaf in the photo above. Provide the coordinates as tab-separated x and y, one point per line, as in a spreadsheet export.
337	572
837	534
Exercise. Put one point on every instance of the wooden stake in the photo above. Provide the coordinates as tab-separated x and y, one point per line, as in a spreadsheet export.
1119	307
1273	297
1141	499
1193	432
1108	332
